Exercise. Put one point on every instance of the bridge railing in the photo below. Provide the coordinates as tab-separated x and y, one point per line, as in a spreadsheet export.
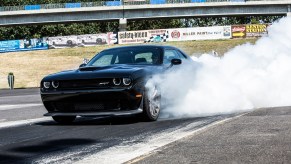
52	6
111	3
11	8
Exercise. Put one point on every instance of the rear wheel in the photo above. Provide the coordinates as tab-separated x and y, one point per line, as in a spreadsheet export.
64	119
152	104
99	41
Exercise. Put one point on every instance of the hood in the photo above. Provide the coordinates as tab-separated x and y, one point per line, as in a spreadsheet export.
111	71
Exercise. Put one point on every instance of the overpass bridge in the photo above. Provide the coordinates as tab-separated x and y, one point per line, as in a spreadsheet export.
144	11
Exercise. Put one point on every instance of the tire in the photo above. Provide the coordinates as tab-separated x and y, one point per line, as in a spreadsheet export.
99	41
151	104
64	119
70	43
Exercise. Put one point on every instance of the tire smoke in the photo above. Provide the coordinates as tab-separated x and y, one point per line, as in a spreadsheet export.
247	77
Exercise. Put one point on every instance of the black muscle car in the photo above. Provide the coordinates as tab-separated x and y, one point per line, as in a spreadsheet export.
111	84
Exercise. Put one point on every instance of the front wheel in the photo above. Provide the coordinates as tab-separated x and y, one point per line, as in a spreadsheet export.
152	104
64	119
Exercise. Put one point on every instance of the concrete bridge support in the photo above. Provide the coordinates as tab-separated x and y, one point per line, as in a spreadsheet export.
289	11
122	24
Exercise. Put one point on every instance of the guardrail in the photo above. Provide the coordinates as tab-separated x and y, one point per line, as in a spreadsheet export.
111	3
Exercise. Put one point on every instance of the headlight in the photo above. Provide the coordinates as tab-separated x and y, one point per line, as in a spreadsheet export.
126	81
55	84
116	81
46	84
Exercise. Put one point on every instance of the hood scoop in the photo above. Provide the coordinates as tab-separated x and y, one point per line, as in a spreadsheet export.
90	68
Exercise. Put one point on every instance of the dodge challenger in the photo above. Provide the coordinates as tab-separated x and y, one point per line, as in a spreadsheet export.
112	83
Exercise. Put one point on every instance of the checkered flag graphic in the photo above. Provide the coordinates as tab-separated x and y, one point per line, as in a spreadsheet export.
158	38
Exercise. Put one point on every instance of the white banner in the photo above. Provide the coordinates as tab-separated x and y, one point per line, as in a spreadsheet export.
200	33
177	34
143	36
81	40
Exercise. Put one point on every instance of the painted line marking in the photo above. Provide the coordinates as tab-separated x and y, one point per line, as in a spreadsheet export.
9	107
31	95
2	120
23	122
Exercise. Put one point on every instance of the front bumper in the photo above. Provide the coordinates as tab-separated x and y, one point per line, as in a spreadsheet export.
115	113
105	102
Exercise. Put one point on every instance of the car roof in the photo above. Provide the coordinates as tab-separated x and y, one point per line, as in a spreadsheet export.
143	46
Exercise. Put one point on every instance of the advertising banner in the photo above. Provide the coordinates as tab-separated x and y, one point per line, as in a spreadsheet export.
9	45
81	40
157	1
22	45
177	34
256	30
73	5
32	7
200	33
197	1
129	37
238	31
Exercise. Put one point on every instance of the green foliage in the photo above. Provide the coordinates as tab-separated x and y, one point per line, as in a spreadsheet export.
39	31
154	24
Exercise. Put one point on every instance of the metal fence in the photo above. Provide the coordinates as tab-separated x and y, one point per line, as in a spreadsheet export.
112	3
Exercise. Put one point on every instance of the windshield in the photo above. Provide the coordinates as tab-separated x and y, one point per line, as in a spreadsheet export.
128	55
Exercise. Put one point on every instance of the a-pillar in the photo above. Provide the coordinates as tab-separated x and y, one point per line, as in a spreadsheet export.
289	11
122	24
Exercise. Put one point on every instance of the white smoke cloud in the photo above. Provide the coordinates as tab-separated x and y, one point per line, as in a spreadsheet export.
247	77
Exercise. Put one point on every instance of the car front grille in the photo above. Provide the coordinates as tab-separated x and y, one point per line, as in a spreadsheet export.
86	83
89	106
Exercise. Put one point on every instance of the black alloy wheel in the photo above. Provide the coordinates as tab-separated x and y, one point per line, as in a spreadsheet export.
152	104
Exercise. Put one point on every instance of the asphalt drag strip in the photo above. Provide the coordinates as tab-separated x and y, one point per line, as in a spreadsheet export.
261	136
129	150
93	140
20	106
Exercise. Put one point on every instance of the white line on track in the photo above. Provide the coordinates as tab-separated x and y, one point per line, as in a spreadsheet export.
126	152
10	124
34	95
9	107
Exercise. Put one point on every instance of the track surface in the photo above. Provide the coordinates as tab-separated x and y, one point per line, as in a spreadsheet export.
261	136
20	104
48	142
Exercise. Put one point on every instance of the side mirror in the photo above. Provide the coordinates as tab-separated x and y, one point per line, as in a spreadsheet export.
176	61
82	65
